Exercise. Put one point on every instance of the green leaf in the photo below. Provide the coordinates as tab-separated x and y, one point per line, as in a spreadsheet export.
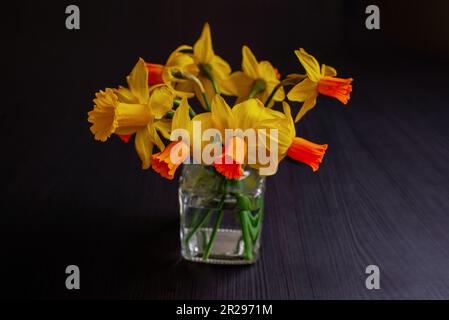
255	223
243	202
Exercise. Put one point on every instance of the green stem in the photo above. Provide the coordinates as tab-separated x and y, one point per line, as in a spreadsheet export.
206	70
213	235
258	86
270	97
244	204
206	101
198	226
196	216
286	82
177	103
187	75
214	85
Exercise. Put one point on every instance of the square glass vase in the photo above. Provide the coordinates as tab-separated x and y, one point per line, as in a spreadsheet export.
221	219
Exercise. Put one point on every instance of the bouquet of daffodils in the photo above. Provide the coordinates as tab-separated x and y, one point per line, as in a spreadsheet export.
156	103
161	103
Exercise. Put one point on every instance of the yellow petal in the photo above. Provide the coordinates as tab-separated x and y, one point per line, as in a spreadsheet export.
184	86
220	71
178	50
267	71
327	71
161	101
210	92
280	93
249	112
238	84
288	115
177	61
302	90
207	84
307	105
181	119
177	64
222	117
164	126
193	69
310	64
249	63
220	68
155	137
206	120
125	95
183	47
138	81
133	115
104	115
284	138
202	49
144	146
182	94
275	114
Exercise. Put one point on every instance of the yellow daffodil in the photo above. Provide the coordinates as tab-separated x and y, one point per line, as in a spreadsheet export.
243	116
179	61
208	67
256	80
163	163
318	80
294	147
229	163
211	66
136	110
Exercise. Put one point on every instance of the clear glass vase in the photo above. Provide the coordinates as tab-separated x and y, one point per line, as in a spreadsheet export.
221	219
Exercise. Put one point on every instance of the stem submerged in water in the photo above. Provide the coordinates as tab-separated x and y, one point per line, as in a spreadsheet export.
246	235
217	224
198	226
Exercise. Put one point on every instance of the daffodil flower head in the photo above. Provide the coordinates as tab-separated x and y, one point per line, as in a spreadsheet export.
319	81
179	61
256	80
210	68
163	161
103	116
137	109
230	162
244	115
297	148
250	114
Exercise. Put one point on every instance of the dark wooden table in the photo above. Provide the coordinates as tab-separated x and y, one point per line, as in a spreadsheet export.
380	198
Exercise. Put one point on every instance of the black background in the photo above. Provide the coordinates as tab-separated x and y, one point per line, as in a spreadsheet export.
380	197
